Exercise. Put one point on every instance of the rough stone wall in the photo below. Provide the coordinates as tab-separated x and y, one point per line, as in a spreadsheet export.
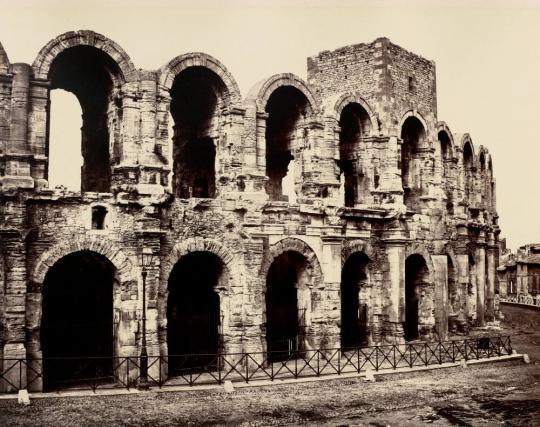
241	226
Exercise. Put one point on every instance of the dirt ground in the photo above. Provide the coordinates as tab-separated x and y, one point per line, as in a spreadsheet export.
506	393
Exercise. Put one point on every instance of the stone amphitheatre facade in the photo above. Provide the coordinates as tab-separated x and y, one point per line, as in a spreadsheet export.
337	211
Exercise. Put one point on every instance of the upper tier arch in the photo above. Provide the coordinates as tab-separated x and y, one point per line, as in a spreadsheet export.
334	105
169	71
51	50
443	127
260	93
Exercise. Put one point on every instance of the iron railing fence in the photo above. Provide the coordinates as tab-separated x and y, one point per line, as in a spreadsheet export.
533	300
207	369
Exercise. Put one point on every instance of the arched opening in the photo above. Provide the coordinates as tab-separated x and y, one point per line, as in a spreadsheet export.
413	136
468	169
90	74
472	289
65	158
284	321
197	98
354	301
77	320
355	124
287	109
193	313
446	152
454	297
416	280
482	162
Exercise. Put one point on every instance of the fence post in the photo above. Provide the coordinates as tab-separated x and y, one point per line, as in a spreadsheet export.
247	367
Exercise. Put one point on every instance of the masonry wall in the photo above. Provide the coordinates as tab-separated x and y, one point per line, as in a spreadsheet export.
241	226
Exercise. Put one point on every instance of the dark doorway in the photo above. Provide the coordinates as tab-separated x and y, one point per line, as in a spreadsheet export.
196	100
415	272
355	124
77	321
283	328
413	135
354	328
286	108
193	313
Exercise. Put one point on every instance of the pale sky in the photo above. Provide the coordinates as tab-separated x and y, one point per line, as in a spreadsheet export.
487	55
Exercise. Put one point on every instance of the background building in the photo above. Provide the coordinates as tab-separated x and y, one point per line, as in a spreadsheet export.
519	273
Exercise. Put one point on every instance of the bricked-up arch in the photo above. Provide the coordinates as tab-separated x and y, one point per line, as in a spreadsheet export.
170	71
355	301
355	124
56	46
93	68
413	135
202	91
4	61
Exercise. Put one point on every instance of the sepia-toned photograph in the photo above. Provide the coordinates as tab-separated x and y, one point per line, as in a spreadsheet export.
269	213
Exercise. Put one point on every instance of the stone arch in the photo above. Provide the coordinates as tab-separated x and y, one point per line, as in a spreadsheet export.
4	61
227	304
482	158
295	245
51	50
449	251
417	115
168	73
334	107
201	244
443	127
419	292
99	244
261	92
352	246
419	249
125	279
466	139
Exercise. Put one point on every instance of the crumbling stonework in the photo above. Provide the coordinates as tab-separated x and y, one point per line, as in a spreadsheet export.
347	184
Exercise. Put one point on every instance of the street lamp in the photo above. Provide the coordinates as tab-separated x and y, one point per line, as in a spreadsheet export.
146	260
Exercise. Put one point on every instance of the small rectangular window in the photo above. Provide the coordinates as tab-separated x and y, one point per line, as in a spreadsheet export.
98	217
